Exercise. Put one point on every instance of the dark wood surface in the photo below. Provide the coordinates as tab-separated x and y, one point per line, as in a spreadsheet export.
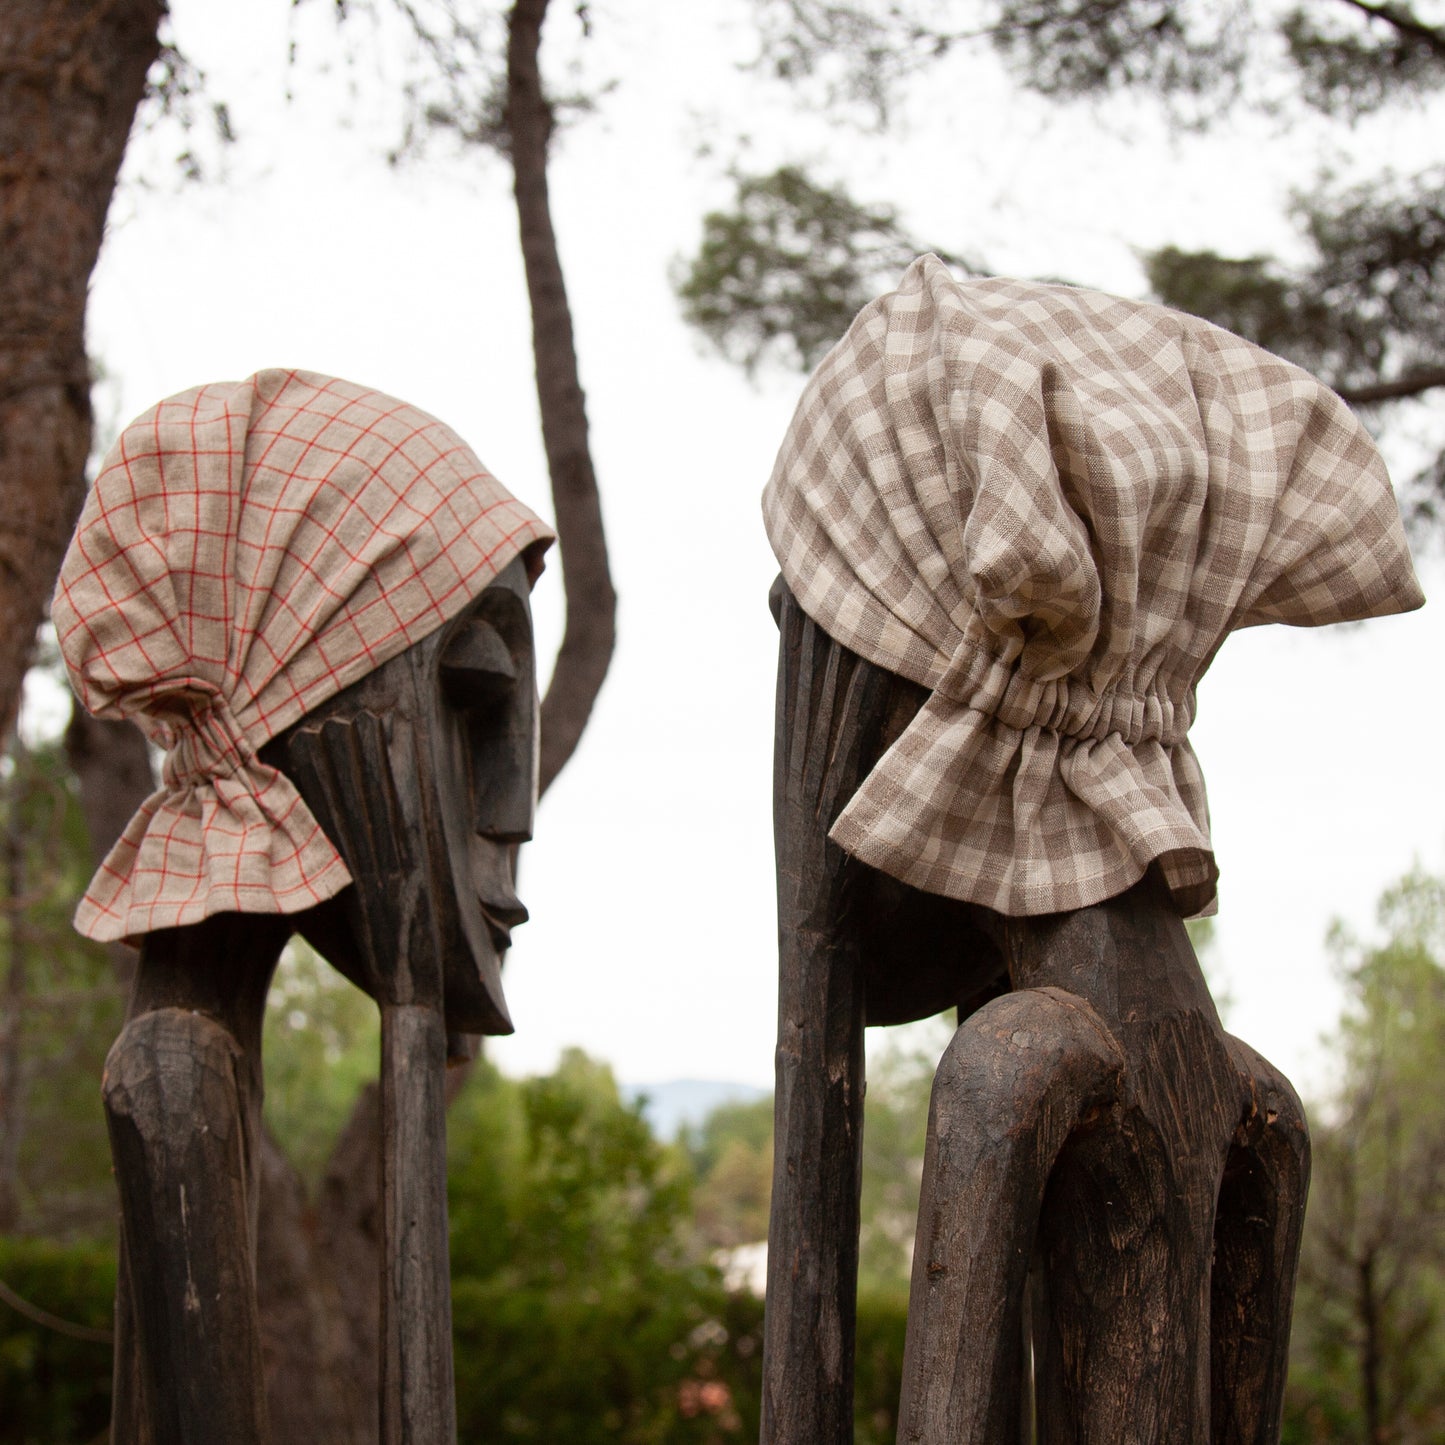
1113	1189
818	1103
1256	1255
418	1402
842	931
423	776
1048	1062
182	1091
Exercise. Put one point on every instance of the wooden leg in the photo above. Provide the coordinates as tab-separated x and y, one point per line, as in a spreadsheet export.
1128	1222
1089	1116
175	1087
127	1406
418	1397
813	1225
808	1333
1127	1251
1256	1257
1019	1076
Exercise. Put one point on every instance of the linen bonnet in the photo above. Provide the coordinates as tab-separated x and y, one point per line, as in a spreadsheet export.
250	549
1049	506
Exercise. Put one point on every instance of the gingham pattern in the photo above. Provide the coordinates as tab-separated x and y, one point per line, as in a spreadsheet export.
1049	506
248	550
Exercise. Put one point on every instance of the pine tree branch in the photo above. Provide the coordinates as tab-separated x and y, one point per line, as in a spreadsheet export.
1412	384
48	1321
1404	23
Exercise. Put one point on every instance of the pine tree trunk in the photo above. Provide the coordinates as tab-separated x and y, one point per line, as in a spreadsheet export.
13	1000
317	1292
587	641
71	75
1370	1350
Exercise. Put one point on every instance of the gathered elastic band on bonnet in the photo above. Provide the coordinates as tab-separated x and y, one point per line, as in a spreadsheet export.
1049	507
250	549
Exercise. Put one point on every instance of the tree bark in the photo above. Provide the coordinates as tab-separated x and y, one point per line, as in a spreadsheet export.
590	631
72	73
12	1014
1369	1309
316	1296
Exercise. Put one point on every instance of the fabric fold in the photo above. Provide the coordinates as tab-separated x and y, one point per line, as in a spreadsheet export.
245	841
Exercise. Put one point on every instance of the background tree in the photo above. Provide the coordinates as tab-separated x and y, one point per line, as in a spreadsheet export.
58	1005
731	1153
783	274
71	76
1369	1346
1365	312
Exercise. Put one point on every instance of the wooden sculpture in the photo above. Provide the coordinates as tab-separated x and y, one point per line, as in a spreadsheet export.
423	775
1113	1187
1015	522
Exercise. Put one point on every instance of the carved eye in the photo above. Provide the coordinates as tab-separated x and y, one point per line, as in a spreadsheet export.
476	668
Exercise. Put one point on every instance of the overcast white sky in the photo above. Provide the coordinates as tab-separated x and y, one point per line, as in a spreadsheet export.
652	936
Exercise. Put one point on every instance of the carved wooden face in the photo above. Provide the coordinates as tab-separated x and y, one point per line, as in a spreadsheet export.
485	759
423	775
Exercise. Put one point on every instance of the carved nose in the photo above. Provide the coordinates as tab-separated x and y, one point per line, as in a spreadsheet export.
510	911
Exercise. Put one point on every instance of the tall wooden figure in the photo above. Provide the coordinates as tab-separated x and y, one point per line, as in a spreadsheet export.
315	599
1015	523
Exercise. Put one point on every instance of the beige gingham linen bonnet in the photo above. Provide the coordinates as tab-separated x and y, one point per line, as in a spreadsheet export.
250	549
1049	506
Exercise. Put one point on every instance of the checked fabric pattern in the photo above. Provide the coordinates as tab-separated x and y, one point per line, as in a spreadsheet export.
1049	507
249	550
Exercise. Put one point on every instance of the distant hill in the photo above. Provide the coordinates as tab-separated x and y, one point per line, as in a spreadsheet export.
669	1105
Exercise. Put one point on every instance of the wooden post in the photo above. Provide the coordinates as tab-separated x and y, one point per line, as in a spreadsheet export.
818	1104
182	1094
418	1396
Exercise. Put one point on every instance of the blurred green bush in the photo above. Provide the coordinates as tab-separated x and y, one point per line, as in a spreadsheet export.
55	1389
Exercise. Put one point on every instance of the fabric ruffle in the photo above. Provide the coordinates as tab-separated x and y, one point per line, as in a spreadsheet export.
1031	820
245	843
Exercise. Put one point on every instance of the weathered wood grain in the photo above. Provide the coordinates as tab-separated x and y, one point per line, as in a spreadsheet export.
846	938
182	1092
818	1103
1014	1084
418	1396
1127	1228
1256	1256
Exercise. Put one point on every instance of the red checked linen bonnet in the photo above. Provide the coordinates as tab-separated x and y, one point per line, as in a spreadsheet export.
249	550
1049	507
